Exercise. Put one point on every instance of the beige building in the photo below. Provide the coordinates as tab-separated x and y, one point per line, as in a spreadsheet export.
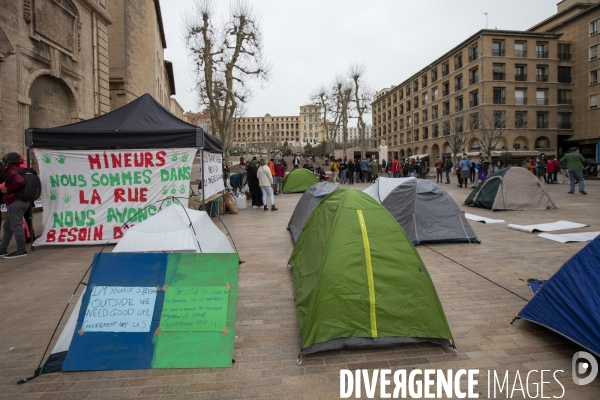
266	132
520	81
136	54
53	65
578	22
311	130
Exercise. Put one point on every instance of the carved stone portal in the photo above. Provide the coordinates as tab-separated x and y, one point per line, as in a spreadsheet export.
55	23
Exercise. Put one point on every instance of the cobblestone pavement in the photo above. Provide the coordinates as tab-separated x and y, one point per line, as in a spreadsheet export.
34	290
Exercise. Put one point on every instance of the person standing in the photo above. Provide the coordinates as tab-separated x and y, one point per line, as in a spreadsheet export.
374	170
15	207
439	171
365	167
447	168
253	186
296	162
357	169
350	170
265	180
465	171
395	169
574	162
343	167
564	171
556	164
549	170
335	168
389	167
279	175
529	166
540	167
410	167
473	172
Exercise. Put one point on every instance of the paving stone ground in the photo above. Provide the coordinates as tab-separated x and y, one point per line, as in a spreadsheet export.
35	289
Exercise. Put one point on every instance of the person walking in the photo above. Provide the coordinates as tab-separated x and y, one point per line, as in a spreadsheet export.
439	171
335	168
448	168
465	171
574	162
15	207
265	180
279	175
343	167
350	170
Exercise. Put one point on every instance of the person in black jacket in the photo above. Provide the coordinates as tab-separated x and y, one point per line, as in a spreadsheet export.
351	168
448	168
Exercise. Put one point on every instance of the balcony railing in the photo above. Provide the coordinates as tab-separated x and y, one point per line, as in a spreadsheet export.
434	116
565	125
473	56
565	79
434	97
457	65
521	77
445	71
446	112
565	101
542	77
473	80
541	102
541	54
564	56
521	101
458	107
542	124
458	86
499	76
498	53
474	103
521	53
445	92
499	100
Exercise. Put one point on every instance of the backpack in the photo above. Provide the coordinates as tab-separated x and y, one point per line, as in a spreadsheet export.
32	189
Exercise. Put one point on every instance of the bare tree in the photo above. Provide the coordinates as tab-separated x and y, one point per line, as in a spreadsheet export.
456	132
363	96
491	128
228	56
326	100
343	94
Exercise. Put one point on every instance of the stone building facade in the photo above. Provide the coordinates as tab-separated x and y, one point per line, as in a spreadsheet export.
136	53
53	65
520	81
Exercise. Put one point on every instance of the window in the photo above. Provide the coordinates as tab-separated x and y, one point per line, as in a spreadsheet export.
474	98
458	83
434	94
458	124
458	62
395	96
564	74
564	121
541	73
458	104
594	52
408	90
389	114
446	128
395	126
474	121
593	77
434	112
473	53
594	28
498	48
416	135
434	75
425	115
425	99
401	109
425	133
416	119
446	108
424	80
564	51
408	137
520	97
541	49
499	96
395	112
541	97
416	101
445	68
520	49
565	96
408	122
499	119
402	138
415	86
499	72
445	88
402	123
401	94
520	119
542	120
408	106
473	76
593	101
434	131
520	73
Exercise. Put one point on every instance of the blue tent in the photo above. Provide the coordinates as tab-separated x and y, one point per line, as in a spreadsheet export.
569	303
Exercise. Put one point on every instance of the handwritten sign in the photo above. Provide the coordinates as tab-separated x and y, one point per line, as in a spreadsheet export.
188	308
213	174
120	309
89	195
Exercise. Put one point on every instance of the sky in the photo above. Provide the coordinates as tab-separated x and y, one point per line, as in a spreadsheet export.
310	42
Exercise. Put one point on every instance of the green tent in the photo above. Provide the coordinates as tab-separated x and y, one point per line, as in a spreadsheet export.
359	280
298	181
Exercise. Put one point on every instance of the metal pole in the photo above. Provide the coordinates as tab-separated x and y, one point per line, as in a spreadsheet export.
202	181
30	210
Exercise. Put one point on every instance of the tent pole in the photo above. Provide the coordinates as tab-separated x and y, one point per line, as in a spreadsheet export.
29	217
202	181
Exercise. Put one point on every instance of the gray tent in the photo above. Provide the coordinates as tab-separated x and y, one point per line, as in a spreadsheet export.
309	200
425	211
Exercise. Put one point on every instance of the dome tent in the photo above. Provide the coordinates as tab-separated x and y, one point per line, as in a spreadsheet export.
298	181
309	200
511	188
355	287
423	209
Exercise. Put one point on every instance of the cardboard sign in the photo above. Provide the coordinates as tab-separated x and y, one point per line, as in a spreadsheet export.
89	195
212	165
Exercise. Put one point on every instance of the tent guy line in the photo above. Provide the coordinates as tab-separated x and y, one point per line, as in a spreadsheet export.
476	273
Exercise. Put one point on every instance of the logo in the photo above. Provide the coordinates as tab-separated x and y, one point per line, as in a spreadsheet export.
584	364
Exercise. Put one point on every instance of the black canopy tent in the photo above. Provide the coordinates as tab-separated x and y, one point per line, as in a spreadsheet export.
143	123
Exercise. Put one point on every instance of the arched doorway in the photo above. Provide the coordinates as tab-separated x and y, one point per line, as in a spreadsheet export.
435	152
402	154
520	143
409	153
542	142
52	103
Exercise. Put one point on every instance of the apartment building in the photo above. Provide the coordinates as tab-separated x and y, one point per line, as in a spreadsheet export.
521	81
354	137
578	22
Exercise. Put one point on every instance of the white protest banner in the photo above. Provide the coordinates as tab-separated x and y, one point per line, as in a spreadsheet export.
88	195
212	166
119	309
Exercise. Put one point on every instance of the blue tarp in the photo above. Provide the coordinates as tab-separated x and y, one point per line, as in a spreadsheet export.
569	303
535	284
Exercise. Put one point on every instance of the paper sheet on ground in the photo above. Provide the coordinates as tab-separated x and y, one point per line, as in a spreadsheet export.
570	237
552	226
483	219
